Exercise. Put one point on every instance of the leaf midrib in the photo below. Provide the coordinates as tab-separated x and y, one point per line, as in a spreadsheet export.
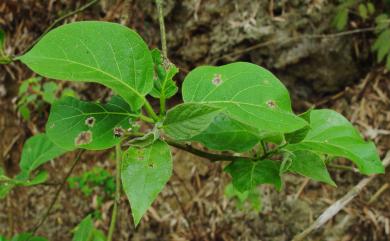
95	69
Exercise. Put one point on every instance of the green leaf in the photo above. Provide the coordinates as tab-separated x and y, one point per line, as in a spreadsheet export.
341	19
370	8
38	150
106	53
382	45
146	140
27	237
144	174
252	197
84	230
247	93
78	124
5	188
363	11
187	120
310	164
299	135
248	174
332	134
163	79
49	92
388	62
224	133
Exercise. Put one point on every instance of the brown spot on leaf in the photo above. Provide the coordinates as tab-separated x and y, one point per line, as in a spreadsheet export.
271	104
119	131
85	137
90	121
217	80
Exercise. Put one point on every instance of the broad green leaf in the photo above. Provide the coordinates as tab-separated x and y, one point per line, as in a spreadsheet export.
382	45
332	134
163	79
144	174
224	133
106	53
247	174
310	164
78	124
41	177
187	120
38	150
247	93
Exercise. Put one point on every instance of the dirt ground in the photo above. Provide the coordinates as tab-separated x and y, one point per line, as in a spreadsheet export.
328	73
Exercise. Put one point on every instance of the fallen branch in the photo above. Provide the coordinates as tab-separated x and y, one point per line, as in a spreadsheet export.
335	208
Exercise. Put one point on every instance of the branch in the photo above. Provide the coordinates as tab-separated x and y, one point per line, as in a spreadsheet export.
335	208
80	9
210	156
57	194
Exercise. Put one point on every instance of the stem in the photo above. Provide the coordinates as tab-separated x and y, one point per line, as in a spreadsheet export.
146	119
212	157
165	53
57	194
118	157
150	111
162	28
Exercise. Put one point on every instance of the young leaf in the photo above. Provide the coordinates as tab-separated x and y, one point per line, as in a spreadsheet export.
363	12
78	124
341	19
85	231
224	133
332	134
189	119
247	174
370	8
106	53
49	92
163	80
310	164
38	150
144	174
247	93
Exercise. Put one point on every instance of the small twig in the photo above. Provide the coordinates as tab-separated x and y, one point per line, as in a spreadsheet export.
57	194
118	158
162	28
342	167
301	188
287	40
80	9
378	193
210	156
335	208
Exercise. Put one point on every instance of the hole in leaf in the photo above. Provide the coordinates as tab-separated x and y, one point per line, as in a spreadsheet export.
90	121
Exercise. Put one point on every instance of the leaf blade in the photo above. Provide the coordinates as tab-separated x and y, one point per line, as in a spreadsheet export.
101	52
144	174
